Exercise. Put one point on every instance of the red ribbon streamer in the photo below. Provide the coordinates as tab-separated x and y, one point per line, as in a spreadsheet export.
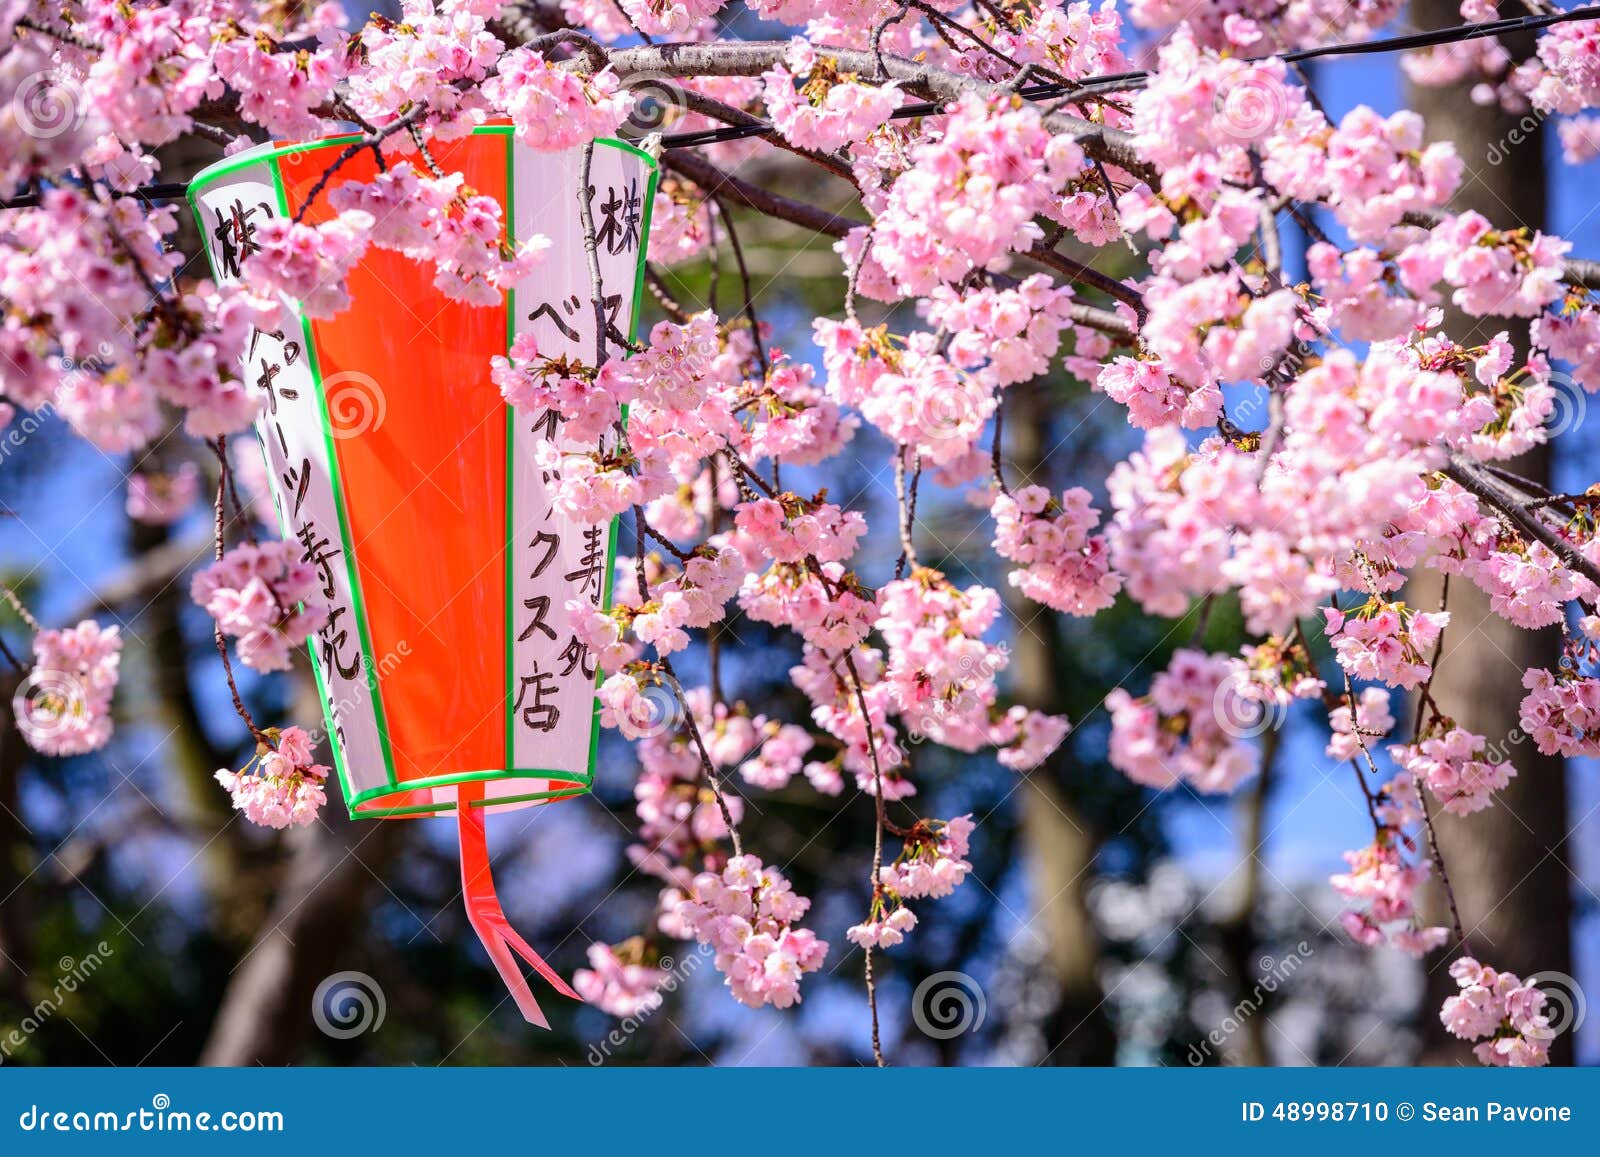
488	919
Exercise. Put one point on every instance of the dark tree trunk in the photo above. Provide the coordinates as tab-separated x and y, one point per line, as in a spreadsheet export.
16	857
1508	866
1059	838
316	915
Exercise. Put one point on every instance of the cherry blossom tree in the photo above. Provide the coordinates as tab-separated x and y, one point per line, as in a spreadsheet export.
1306	444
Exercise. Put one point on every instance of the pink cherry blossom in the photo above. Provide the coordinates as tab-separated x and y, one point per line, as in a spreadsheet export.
1502	1007
267	597
279	787
63	706
746	914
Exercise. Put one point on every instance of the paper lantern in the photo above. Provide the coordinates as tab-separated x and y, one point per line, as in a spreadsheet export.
451	681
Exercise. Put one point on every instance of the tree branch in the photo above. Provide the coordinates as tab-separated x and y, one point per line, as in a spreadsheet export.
1467	475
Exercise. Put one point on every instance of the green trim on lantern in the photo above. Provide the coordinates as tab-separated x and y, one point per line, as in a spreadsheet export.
576	784
259	155
339	765
357	602
633	332
512	537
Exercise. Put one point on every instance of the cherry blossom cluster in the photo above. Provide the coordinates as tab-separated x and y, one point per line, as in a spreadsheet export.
266	597
746	914
280	786
1385	641
1505	1014
1289	23
1385	879
1451	764
827	111
853	705
1180	732
1383	876
278	88
64	705
433	58
931	864
1064	566
942	677
433	218
1561	711
970	194
825	604
86	330
679	813
555	109
309	262
1354	730
618	981
1277	671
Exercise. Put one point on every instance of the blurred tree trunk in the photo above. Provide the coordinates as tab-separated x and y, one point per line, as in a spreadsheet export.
232	883
1237	932
1059	839
315	917
265	1016
16	855
1508	866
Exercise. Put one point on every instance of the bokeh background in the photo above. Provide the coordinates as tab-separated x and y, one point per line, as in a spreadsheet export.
142	922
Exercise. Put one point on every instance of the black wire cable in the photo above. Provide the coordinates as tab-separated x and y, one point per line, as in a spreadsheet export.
1084	87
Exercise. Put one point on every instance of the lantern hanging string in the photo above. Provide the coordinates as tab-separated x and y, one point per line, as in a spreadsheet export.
1083	88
